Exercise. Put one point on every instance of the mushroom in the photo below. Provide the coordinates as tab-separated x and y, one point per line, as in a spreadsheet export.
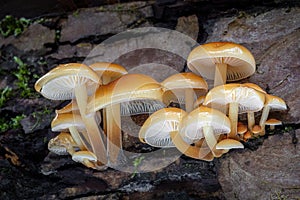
62	144
129	87
221	61
274	103
240	99
158	126
256	129
185	87
75	81
86	158
161	129
247	136
241	129
229	144
208	123
272	123
250	115
73	124
109	72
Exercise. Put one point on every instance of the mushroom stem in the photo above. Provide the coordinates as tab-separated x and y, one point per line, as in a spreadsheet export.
191	151
211	141
220	74
263	119
93	131
77	137
114	139
233	117
189	99
251	120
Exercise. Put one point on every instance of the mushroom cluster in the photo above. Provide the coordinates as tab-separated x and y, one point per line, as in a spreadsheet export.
206	124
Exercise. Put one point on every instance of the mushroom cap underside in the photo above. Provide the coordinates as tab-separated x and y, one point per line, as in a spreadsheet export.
59	83
240	62
248	98
157	128
193	123
127	88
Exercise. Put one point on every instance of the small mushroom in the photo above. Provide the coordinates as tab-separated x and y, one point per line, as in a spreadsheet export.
256	130
73	124
272	123
229	144
250	115
86	158
240	99
247	136
274	103
62	144
221	61
75	81
127	88
157	128
208	123
241	129
185	87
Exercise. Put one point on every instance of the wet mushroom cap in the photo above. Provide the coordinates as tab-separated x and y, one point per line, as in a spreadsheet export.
157	128
174	87
249	99
203	116
240	62
63	121
126	88
59	83
229	144
106	69
273	122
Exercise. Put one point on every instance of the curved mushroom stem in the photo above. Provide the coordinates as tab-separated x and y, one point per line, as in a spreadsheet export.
77	137
93	131
233	116
251	120
191	151
211	141
189	99
220	74
263	119
114	135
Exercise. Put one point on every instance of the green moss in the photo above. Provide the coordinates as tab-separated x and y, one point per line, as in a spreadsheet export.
136	163
12	123
24	75
13	26
5	95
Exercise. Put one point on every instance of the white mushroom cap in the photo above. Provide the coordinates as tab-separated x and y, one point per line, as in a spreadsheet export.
193	123
248	98
59	83
157	128
240	62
